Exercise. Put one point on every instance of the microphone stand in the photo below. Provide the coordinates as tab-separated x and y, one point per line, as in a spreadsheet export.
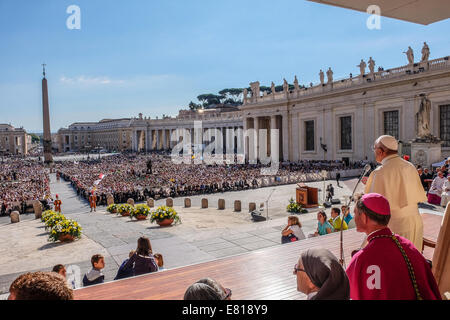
341	260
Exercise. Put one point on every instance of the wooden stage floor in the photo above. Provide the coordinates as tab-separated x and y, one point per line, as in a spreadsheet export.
259	275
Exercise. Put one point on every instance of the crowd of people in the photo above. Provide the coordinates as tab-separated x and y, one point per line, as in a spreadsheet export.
21	181
129	176
375	272
388	266
436	183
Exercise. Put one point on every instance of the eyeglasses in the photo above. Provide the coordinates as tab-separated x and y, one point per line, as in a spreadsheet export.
297	269
229	292
375	148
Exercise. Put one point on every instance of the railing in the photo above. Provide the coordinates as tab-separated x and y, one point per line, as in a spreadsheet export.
436	64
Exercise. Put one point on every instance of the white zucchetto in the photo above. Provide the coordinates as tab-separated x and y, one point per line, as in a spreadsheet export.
388	141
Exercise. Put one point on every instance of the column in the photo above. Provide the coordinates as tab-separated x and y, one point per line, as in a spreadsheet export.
256	137
229	143
158	138
285	136
135	142
191	130
295	138
273	126
164	140
150	140
245	139
171	142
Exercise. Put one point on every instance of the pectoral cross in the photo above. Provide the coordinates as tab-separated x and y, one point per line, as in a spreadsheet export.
43	67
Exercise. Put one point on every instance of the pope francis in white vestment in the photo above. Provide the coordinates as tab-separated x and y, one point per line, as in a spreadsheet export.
399	181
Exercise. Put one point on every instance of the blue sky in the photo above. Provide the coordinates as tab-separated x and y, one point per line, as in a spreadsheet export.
154	56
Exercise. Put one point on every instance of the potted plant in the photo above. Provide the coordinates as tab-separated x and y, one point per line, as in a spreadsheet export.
53	220
165	216
295	207
65	231
112	208
140	212
47	215
125	209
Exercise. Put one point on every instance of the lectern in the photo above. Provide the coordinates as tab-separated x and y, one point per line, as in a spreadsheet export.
307	196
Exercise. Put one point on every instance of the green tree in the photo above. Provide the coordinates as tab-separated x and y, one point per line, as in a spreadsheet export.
232	95
208	99
194	106
35	138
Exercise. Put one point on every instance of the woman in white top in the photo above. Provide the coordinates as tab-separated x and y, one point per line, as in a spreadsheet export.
445	197
435	192
293	231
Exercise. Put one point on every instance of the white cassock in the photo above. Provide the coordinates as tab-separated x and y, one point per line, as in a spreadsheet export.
445	196
399	181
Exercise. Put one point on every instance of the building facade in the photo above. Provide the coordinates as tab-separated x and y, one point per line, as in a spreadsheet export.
143	134
109	134
13	140
341	119
332	120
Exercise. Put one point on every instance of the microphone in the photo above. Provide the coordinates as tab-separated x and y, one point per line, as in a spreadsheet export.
367	168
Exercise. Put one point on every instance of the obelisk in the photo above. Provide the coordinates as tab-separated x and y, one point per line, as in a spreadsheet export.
47	142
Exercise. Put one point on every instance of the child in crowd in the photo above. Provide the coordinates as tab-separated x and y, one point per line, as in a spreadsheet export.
159	261
335	220
347	215
123	272
293	231
95	276
60	269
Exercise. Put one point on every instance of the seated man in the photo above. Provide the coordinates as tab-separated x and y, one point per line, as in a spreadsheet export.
335	220
389	267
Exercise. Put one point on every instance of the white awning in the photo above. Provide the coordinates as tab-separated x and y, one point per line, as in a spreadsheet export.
417	11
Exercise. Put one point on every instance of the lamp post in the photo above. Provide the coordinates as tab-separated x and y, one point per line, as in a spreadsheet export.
267	203
324	174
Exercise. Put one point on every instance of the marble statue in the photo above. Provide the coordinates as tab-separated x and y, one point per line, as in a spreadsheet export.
321	75
296	86
285	86
371	65
410	55
425	52
423	118
272	88
362	67
255	89
330	75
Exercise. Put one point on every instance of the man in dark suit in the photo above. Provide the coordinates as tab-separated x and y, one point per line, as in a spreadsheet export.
423	176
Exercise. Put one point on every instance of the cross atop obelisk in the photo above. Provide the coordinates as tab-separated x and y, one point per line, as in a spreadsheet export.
47	141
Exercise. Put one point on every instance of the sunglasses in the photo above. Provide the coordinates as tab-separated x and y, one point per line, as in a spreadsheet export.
297	269
229	292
